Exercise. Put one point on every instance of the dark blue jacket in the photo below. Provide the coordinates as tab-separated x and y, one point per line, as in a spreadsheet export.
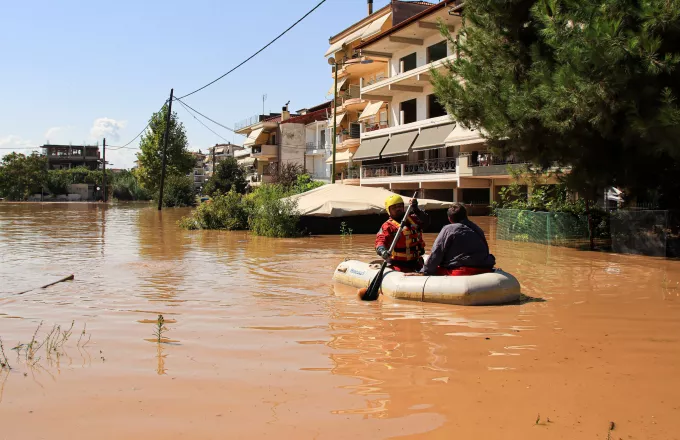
459	245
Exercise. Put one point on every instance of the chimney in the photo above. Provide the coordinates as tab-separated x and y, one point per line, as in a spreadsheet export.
285	114
370	6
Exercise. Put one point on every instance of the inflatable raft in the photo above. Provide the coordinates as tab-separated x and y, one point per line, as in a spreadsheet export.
492	288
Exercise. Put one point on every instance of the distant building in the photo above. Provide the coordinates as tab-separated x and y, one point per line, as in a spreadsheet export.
70	156
198	173
217	154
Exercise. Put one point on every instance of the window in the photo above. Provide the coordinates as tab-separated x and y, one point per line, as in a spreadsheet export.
449	151
433	154
408	111
434	108
383	119
408	62
421	156
273	140
436	52
322	138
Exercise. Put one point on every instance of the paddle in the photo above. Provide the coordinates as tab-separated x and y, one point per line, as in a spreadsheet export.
373	290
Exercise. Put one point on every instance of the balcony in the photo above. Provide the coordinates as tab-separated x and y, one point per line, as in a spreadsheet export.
317	149
433	169
410	81
486	165
265	151
381	129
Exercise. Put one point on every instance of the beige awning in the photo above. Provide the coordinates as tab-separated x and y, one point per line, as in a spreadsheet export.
371	110
338	200
219	150
341	82
340	157
399	144
463	136
371	148
375	27
338	119
335	47
362	33
247	161
432	137
253	137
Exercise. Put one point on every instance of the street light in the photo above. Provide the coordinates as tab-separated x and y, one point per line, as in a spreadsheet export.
332	62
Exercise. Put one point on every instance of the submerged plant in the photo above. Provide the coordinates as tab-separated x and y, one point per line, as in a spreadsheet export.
160	329
4	363
344	230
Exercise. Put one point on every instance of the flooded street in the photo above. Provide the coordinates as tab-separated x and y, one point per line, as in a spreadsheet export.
262	345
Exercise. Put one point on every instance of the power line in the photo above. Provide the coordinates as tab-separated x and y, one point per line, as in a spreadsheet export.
258	52
201	122
114	147
206	117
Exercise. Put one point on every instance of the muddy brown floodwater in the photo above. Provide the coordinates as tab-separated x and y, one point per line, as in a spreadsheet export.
261	345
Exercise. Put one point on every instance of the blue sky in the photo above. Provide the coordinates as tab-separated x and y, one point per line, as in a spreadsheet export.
76	71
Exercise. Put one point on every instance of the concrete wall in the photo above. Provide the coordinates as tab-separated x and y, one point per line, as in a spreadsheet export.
292	146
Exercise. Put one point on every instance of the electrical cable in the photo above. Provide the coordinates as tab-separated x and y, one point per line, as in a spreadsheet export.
206	117
201	122
258	52
114	147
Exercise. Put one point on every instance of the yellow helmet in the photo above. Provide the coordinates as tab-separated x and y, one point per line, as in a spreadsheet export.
392	200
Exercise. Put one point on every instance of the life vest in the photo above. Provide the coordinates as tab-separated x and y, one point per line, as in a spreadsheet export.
410	246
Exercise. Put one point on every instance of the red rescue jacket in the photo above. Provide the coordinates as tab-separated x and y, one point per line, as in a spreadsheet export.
410	246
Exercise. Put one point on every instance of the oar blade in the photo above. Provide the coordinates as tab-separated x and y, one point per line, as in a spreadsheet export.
373	290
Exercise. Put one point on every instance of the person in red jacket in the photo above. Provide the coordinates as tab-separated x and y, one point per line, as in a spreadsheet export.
407	255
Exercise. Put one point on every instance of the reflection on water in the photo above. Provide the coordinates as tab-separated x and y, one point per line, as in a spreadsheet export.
269	347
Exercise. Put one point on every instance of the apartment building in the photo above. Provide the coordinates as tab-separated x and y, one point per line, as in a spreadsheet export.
351	70
262	141
218	153
408	141
71	156
198	173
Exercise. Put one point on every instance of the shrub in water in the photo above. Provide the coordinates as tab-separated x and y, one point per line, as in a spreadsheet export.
270	215
125	186
179	192
225	211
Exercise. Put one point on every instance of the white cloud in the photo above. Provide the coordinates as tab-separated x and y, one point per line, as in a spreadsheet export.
17	142
107	128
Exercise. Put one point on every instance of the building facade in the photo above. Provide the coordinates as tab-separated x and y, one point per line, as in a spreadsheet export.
218	153
352	71
71	156
408	142
198	173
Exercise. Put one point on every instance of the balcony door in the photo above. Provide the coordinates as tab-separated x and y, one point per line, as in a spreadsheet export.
408	111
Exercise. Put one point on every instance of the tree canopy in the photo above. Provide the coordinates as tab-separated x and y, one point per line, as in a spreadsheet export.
21	175
179	160
227	176
588	84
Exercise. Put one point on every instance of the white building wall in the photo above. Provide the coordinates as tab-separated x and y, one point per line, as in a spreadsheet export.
421	53
292	148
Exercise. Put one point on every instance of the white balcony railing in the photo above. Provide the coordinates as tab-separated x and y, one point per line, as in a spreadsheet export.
366	87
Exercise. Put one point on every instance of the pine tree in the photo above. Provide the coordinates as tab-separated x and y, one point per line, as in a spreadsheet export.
179	160
588	84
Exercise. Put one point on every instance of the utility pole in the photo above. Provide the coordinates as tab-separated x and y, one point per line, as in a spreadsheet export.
213	161
335	112
104	168
165	150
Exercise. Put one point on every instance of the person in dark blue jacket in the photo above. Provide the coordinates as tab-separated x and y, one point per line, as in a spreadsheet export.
460	248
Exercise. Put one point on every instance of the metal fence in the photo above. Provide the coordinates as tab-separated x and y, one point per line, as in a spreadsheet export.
551	228
653	233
